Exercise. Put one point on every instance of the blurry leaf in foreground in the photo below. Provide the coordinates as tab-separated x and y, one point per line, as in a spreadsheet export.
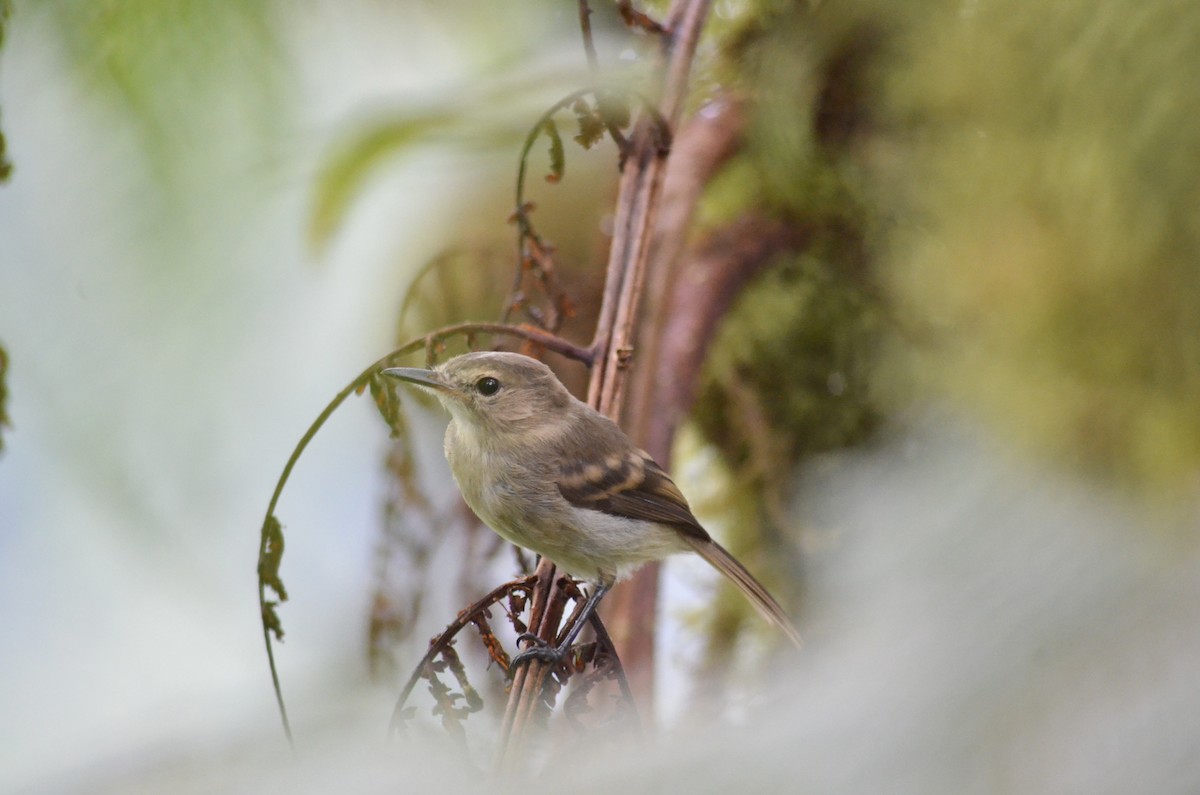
346	171
187	72
5	163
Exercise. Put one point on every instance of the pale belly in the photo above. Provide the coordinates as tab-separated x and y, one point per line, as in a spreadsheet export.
586	543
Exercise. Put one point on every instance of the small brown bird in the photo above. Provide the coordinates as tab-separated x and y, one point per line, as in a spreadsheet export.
551	474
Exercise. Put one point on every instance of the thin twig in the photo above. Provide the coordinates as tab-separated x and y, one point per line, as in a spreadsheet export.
527	236
589	46
439	644
549	341
528	681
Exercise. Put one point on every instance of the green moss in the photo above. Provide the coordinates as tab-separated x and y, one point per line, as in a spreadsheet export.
1050	236
186	72
1023	183
789	372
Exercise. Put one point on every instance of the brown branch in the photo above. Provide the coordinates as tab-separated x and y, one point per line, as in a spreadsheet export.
549	341
589	46
634	627
549	600
636	19
641	186
442	642
612	346
702	146
717	269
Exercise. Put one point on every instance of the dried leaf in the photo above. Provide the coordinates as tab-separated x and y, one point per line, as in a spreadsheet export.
494	648
591	125
558	160
387	401
271	620
272	556
636	19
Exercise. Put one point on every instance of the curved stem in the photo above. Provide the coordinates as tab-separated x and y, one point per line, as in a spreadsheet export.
549	341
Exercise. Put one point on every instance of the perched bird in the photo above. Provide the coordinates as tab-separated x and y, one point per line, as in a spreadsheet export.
551	474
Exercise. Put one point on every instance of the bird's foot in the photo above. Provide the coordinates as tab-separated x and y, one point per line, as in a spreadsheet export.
540	650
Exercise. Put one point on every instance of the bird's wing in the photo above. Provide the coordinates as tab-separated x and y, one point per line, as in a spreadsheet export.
631	485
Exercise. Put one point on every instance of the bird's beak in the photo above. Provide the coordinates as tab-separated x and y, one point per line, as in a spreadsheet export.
430	379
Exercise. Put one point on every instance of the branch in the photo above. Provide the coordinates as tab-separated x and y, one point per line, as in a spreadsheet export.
641	186
441	643
549	341
612	345
532	251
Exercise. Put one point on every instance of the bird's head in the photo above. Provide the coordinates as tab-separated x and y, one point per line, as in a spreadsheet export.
493	394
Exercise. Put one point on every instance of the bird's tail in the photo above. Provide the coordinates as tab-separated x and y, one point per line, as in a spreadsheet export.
754	590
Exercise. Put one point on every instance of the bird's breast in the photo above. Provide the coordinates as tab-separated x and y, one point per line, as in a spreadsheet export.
509	494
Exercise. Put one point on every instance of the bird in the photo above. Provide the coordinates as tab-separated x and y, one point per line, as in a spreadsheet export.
549	473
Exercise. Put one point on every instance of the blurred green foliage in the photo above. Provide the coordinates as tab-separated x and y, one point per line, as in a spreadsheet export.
1050	232
790	371
1003	198
5	163
789	376
187	72
344	174
1023	182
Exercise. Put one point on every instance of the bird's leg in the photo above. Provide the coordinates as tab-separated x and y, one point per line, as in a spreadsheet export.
547	653
532	638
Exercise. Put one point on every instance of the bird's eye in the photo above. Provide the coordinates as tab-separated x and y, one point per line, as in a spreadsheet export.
487	386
